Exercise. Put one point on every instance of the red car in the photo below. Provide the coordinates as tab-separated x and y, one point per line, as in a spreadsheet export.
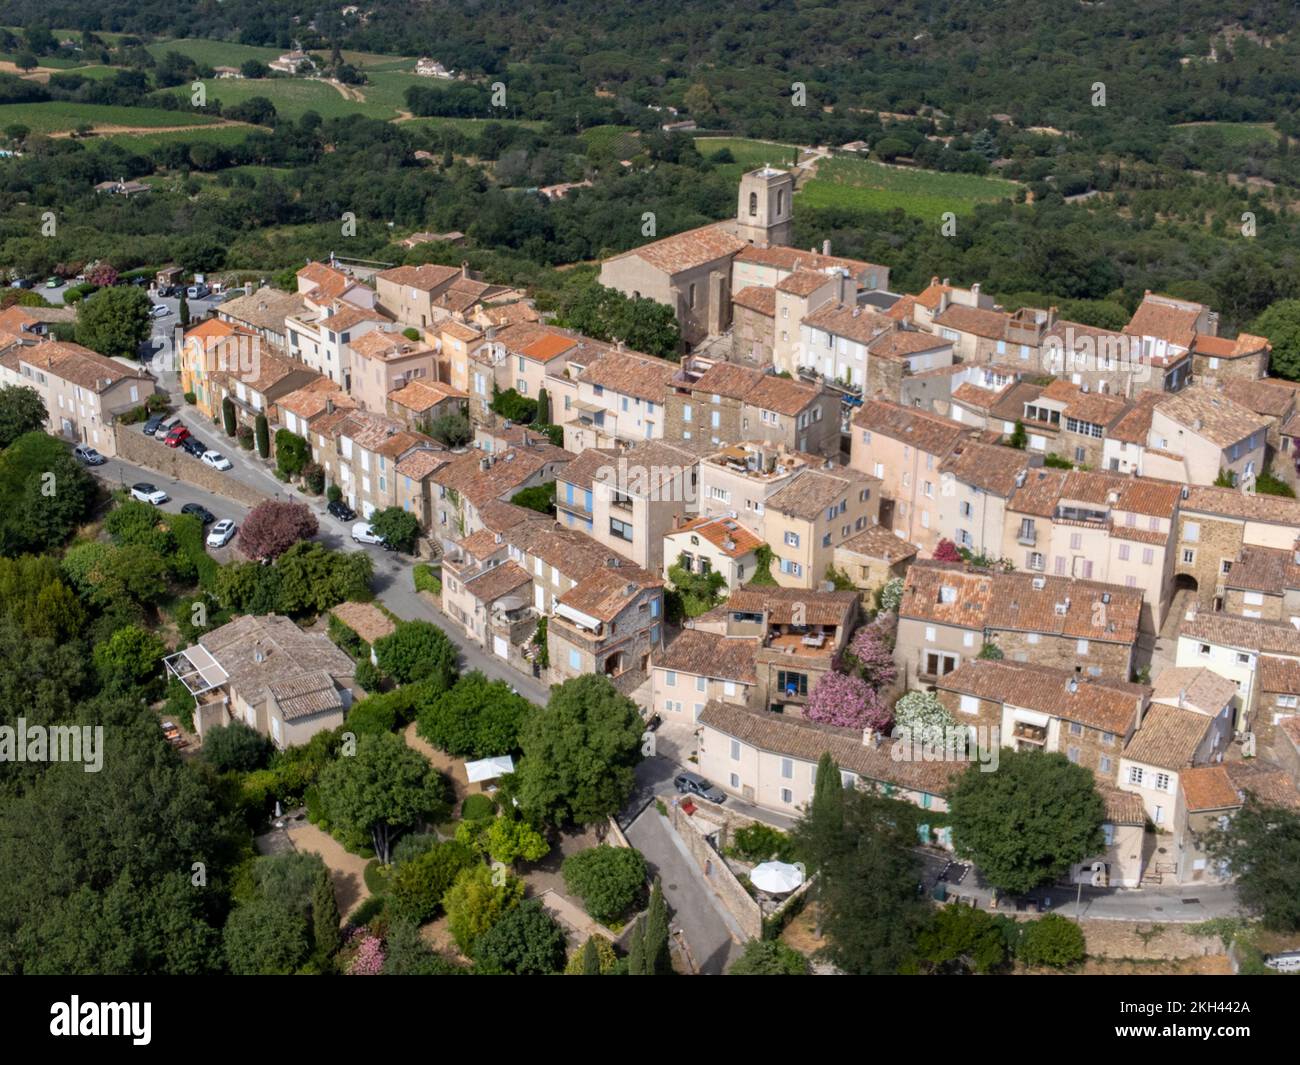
177	434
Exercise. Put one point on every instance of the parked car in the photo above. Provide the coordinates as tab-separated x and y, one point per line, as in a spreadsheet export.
154	424
22	282
341	510
199	511
222	533
160	310
148	493
198	292
194	446
364	533
216	460
169	291
54	282
88	455
694	784
175	436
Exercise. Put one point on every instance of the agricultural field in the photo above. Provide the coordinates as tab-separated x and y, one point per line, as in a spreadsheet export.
619	141
292	97
748	153
214	53
467	125
61	116
1235	134
221	136
874	186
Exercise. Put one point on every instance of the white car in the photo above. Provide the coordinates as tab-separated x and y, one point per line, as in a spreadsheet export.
364	533
160	310
148	493
216	460
221	533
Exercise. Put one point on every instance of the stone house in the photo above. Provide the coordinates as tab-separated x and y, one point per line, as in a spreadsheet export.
698	667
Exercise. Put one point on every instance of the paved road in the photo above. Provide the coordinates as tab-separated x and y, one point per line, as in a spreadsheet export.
695	909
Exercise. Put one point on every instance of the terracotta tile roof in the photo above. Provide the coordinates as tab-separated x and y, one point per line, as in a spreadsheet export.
312	693
972	395
397	444
1092	407
260	651
548	347
1264	569
1290	728
1269	396
344	316
267	308
926	432
1269	785
1123	807
876	541
728	379
1168	737
720	532
365	619
904	342
1108	705
314	398
901	311
507	472
381	345
782	394
1223	348
707	654
1134	426
990	467
1010	406
1165	318
931	296
785	258
1213	415
851	321
1193	687
1023	602
422	462
483	544
607	592
497	582
459	330
807	741
991	325
803	282
1044	488
1209	787
1246	634
809	492
632	374
779	604
81	366
758	298
1279	676
508	313
685	251
421	394
425	278
1228	502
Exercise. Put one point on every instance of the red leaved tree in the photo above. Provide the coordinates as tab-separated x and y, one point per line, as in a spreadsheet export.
272	528
946	551
872	648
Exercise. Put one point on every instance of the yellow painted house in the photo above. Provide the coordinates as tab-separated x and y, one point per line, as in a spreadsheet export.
214	347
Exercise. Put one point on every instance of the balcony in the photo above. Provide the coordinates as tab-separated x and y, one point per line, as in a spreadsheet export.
1034	735
1028	536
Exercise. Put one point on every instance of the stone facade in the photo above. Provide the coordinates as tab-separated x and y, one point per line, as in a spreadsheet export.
1100	659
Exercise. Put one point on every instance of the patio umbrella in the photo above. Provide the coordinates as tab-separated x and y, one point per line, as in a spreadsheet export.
776	878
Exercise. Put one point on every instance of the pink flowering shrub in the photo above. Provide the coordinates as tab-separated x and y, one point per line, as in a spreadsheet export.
874	656
369	958
849	701
946	551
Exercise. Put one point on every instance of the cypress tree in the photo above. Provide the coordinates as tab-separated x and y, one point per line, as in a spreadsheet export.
590	958
183	312
263	434
655	944
228	416
636	950
325	918
543	407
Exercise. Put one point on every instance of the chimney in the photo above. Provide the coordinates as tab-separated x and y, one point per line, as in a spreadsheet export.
867	735
943	301
464	270
826	247
329	406
485	463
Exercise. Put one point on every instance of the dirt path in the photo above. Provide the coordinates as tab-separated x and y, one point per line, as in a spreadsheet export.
356	96
347	870
35	74
106	129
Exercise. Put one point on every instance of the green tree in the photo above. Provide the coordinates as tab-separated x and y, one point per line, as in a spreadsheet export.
292	452
540	497
961	939
265	939
819	835
525	942
544	407
476	902
699	592
655	944
476	717
1030	821
44	494
116	322
228	416
325	918
183	312
21	411
420	884
236	747
1019	438
609	880
1280	324
418	650
399	528
263	434
1261	847
510	840
452	430
131	661
769	957
579	756
1051	940
406	953
382	789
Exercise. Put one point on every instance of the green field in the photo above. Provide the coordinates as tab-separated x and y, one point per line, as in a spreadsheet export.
873	186
468	125
222	136
60	116
292	97
1237	134
621	141
748	153
214	53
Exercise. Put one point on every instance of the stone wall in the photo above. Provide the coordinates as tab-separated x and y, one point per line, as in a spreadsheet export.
152	454
1218	539
740	904
1112	659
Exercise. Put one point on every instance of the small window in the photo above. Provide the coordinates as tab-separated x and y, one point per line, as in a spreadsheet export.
735	750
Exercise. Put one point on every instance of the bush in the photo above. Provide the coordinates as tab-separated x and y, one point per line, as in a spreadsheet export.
419	885
191	398
292	452
1051	940
313	478
760	843
417	650
425	579
235	747
334	493
244	437
369	679
609	880
478	808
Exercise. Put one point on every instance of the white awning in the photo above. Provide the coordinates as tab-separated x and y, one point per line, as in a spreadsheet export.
577	616
489	768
